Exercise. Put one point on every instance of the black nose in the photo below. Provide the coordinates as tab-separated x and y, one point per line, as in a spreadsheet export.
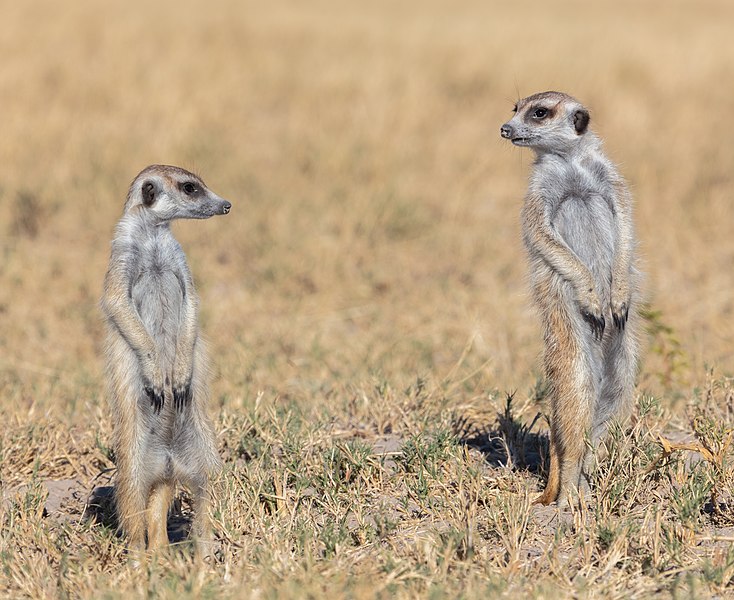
506	131
226	207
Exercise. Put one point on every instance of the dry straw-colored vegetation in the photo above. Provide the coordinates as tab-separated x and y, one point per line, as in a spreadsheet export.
375	353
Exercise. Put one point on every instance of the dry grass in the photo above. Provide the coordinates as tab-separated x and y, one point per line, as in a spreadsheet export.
365	301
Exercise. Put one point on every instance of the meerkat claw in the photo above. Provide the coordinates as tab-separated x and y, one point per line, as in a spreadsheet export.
156	398
182	396
597	324
620	319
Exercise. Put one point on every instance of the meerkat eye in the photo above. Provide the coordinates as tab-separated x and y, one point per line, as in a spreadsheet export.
189	188
540	113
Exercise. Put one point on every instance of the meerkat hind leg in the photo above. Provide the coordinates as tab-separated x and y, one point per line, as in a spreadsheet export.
617	389
552	486
130	502
574	453
201	528
573	398
131	490
158	505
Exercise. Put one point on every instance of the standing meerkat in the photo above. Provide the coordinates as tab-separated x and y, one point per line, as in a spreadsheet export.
578	230
156	363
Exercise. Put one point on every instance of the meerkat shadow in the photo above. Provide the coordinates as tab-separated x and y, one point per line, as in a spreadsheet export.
101	509
509	442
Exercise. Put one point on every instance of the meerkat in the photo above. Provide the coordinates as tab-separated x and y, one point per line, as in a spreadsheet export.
578	231
156	362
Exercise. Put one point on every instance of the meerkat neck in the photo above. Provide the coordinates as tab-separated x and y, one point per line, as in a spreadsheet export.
587	146
138	225
148	219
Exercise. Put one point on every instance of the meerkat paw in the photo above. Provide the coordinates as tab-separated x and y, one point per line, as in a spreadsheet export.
182	390
153	388
546	498
156	397
597	323
592	313
182	395
620	304
620	313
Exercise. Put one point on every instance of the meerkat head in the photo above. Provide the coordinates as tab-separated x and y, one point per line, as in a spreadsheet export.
165	193
547	122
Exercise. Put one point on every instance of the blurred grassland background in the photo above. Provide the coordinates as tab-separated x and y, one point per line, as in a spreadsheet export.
374	239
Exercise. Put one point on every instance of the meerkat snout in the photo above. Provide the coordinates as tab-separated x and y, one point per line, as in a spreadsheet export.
226	208
506	131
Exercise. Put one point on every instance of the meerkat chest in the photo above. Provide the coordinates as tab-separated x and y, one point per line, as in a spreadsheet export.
159	289
560	179
584	181
580	207
161	257
585	222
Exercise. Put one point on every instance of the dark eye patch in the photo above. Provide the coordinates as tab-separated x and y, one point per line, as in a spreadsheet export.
539	113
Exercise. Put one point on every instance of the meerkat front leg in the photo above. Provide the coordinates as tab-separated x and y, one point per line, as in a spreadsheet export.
621	288
183	366
118	305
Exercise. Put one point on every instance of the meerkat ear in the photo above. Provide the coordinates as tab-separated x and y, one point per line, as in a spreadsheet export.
581	120
148	191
